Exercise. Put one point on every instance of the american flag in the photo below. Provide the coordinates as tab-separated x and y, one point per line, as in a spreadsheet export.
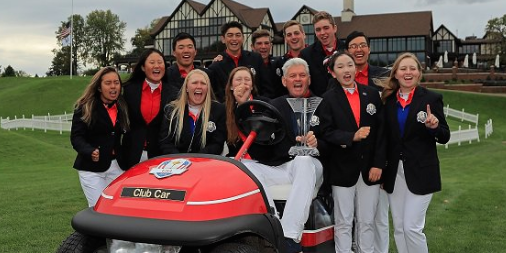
65	31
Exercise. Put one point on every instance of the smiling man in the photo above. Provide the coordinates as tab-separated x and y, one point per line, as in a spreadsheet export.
295	41
261	43
184	50
234	56
273	165
357	44
327	43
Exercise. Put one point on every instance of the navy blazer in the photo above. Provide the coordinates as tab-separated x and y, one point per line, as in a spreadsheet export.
220	70
338	125
99	134
314	56
141	135
190	142
417	147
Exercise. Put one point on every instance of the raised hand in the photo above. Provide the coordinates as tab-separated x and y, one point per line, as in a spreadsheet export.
431	122
242	93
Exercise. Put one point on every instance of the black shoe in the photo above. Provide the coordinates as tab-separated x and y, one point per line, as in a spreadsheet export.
292	246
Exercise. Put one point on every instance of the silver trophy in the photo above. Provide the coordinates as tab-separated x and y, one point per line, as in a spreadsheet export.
304	109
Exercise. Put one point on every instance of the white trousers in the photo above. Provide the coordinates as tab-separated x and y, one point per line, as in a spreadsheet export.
408	215
360	200
93	183
381	231
305	175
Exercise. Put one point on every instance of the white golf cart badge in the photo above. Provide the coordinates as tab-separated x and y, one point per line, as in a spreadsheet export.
371	109
421	117
170	168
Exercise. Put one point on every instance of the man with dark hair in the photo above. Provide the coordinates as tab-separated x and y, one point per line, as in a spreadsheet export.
234	56
262	44
295	41
327	43
184	50
357	44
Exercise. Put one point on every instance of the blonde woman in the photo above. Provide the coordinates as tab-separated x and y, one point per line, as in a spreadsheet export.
194	123
414	123
100	118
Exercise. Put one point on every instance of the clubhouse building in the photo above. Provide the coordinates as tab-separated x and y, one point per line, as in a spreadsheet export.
387	37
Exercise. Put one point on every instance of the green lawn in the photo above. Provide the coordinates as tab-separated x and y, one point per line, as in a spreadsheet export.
40	191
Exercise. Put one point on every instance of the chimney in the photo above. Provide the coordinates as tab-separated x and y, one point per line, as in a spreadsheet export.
348	11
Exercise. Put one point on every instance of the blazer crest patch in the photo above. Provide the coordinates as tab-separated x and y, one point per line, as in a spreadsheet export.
211	126
371	109
421	117
315	121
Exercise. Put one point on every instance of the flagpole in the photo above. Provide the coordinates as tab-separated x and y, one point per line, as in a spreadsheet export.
71	36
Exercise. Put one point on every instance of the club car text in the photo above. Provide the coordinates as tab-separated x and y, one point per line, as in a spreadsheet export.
153	193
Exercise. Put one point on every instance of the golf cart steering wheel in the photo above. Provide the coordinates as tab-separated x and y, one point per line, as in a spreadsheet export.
262	118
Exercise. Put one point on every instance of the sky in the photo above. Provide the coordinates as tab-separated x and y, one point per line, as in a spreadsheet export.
28	27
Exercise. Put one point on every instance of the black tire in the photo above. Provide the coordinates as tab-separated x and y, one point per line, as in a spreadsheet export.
79	243
234	248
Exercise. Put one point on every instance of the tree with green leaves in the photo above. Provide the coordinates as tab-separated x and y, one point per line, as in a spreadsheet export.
61	62
104	36
496	28
142	38
9	71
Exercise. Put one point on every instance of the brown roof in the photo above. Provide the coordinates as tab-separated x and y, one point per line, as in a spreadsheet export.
159	26
388	25
253	18
199	7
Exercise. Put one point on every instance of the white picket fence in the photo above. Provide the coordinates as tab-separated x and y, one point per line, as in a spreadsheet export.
462	115
61	123
466	135
488	128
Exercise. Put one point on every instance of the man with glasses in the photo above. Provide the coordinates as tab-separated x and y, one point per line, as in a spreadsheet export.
357	44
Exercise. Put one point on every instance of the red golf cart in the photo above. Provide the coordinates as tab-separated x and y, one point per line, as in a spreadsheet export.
197	203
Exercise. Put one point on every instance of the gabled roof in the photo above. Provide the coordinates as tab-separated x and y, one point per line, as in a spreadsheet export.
249	17
311	10
388	25
441	27
199	7
159	26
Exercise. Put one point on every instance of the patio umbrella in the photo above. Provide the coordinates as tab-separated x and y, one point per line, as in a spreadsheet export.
446	57
497	64
439	63
466	62
474	58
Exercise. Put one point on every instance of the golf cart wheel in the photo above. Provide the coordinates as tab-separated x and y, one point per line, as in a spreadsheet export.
234	248
79	243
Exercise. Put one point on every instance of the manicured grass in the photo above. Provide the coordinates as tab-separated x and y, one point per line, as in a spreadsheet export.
40	191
